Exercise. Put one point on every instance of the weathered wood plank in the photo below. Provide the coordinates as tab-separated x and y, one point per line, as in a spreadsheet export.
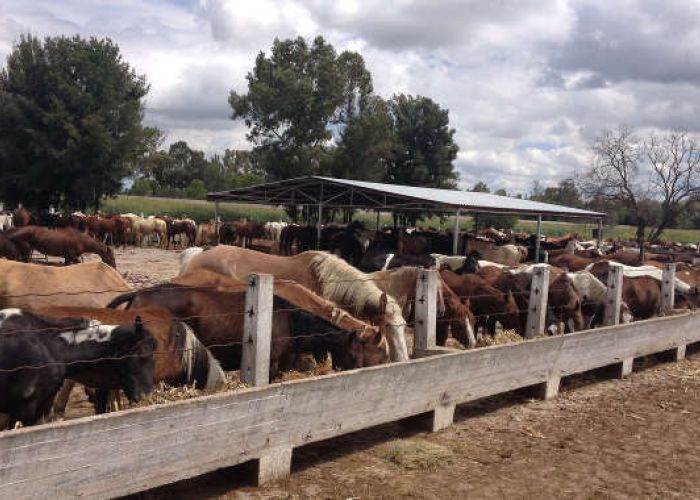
425	310
626	367
613	297
158	445
668	287
257	330
537	307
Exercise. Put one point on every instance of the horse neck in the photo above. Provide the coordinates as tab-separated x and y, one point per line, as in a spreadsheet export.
75	356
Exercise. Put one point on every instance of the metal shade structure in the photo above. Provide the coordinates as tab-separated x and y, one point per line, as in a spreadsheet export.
343	193
328	192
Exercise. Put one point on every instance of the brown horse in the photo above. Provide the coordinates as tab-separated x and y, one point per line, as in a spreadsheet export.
453	314
22	217
29	286
180	358
218	317
327	275
65	242
376	350
572	262
488	303
178	227
8	249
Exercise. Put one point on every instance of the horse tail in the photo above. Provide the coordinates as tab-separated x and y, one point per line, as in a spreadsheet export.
201	367
127	298
185	257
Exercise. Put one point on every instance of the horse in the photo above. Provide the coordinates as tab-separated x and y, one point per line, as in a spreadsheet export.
375	348
327	275
65	242
180	358
206	234
217	317
29	286
8	249
151	226
452	314
22	217
572	262
510	255
182	226
38	353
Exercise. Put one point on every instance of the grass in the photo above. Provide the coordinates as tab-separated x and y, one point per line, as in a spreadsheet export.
202	211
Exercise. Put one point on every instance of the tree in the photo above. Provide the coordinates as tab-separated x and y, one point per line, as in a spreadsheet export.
366	143
481	187
425	147
142	187
294	95
565	193
652	178
70	122
196	190
482	221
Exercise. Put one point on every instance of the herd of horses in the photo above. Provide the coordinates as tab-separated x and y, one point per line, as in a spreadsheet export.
353	301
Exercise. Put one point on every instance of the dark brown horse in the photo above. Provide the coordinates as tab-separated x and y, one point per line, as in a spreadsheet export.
179	227
488	303
22	217
65	242
217	318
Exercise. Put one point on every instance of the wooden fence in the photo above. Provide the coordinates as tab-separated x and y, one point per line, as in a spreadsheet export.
127	452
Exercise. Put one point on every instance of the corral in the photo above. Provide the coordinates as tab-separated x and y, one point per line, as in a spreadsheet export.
159	445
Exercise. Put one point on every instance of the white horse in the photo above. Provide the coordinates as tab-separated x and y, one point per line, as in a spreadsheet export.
6	222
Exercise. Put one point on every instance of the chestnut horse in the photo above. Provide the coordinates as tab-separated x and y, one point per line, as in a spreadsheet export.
452	314
375	348
65	242
325	274
218	318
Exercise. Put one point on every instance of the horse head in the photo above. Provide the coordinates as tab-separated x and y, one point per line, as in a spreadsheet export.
137	366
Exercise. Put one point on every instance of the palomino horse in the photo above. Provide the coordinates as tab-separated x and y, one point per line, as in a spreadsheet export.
510	255
218	317
65	242
152	226
29	286
375	348
67	348
327	275
180	358
452	313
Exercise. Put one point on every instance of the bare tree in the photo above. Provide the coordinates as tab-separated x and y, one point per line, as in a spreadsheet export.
641	174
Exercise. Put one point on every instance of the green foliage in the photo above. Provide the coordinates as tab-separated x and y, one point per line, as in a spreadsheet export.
142	187
481	187
70	122
196	190
425	147
565	193
483	221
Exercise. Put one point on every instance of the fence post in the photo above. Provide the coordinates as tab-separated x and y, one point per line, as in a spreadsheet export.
425	312
537	308
257	330
613	298
667	287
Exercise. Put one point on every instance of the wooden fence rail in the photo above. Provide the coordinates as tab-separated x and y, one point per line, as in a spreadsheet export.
127	452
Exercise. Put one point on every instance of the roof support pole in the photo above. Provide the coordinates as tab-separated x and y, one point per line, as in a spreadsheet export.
318	226
538	237
455	235
377	225
216	220
600	232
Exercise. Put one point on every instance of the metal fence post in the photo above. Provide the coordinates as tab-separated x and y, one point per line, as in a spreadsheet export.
257	330
425	311
668	279
537	308
613	298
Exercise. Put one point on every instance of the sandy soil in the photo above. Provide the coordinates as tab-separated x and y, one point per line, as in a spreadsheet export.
602	438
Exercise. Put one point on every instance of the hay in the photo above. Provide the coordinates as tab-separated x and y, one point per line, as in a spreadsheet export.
306	367
415	454
501	337
165	393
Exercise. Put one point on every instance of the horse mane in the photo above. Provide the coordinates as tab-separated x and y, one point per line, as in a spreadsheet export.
347	286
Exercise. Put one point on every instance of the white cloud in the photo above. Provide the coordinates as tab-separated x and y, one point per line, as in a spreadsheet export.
528	83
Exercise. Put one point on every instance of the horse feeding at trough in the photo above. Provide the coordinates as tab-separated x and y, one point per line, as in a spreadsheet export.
453	315
65	242
180	358
218	320
374	345
327	275
31	286
38	353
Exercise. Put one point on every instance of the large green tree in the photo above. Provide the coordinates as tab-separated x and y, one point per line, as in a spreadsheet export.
425	149
70	121
295	96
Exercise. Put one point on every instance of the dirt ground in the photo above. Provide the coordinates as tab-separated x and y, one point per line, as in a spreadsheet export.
601	438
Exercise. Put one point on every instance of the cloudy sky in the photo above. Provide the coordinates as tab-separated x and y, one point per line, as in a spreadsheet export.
528	83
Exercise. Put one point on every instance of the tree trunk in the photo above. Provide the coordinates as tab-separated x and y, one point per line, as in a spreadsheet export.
641	226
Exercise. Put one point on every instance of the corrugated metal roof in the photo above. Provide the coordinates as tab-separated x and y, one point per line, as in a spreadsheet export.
332	192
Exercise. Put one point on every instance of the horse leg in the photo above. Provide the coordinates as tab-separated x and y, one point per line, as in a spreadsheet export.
101	401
